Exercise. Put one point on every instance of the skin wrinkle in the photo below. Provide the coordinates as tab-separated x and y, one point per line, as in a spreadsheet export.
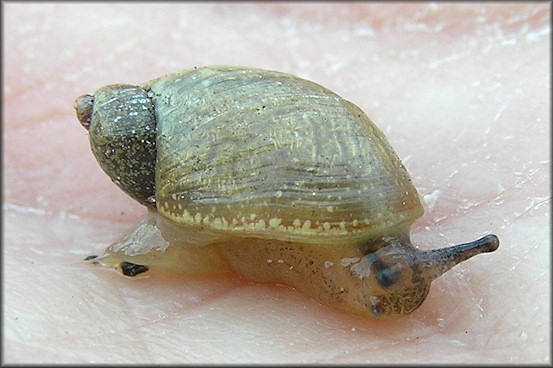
34	180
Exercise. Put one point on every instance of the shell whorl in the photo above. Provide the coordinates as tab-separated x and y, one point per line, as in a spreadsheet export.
122	136
271	155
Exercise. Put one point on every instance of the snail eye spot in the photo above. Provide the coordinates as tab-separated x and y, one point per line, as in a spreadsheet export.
386	277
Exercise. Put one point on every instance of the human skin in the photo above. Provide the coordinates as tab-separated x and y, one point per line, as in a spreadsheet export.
461	91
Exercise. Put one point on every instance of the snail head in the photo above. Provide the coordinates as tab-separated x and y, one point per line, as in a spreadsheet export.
401	274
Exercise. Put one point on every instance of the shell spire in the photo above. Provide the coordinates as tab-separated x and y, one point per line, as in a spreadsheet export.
83	107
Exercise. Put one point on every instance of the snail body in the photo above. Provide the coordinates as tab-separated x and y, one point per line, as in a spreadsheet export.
270	175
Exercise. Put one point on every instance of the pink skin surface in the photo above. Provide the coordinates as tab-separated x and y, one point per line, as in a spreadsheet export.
461	91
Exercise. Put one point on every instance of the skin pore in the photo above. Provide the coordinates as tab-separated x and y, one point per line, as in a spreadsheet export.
449	85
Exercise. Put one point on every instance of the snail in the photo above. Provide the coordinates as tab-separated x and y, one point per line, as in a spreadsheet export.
269	175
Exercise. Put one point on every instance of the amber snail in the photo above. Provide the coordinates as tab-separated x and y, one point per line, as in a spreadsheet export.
270	175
